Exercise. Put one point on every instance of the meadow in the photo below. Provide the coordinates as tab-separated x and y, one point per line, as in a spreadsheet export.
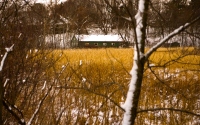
98	80
88	86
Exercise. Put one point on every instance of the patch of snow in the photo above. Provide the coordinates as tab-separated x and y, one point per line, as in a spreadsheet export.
177	70
26	56
63	66
196	77
44	85
101	113
4	85
110	113
19	35
121	5
167	75
46	2
81	62
64	19
74	111
83	79
151	65
5	55
22	120
141	55
102	38
9	49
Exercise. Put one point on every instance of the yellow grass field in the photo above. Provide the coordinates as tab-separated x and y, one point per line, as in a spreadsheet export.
90	85
175	57
103	75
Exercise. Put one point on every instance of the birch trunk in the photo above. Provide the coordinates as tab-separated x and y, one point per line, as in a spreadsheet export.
131	103
133	95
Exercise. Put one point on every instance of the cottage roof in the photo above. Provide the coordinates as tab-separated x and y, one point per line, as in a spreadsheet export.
99	38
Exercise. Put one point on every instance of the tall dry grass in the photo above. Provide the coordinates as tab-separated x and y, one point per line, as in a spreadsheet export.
89	85
102	77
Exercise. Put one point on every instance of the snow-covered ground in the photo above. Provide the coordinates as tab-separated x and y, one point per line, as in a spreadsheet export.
49	1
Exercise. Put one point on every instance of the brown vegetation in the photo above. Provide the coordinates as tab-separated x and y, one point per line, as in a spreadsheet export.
89	86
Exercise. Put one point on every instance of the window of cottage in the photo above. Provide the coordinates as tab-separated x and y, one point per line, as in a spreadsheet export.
87	44
112	44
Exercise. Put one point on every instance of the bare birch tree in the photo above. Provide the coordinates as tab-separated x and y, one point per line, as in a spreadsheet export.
140	58
133	95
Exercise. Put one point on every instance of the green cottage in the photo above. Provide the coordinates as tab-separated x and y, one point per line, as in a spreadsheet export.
98	41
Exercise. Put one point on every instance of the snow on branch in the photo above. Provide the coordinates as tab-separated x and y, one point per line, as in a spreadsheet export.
5	55
172	34
4	85
13	109
131	100
9	49
127	18
66	21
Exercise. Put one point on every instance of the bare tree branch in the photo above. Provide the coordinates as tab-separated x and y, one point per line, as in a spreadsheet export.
38	107
5	55
11	109
174	33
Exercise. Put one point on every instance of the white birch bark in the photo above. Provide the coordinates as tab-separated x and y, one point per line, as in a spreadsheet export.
138	55
130	105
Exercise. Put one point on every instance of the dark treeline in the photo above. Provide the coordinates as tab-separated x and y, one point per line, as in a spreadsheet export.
32	21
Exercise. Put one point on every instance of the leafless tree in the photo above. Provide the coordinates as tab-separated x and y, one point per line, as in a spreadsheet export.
141	57
43	86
